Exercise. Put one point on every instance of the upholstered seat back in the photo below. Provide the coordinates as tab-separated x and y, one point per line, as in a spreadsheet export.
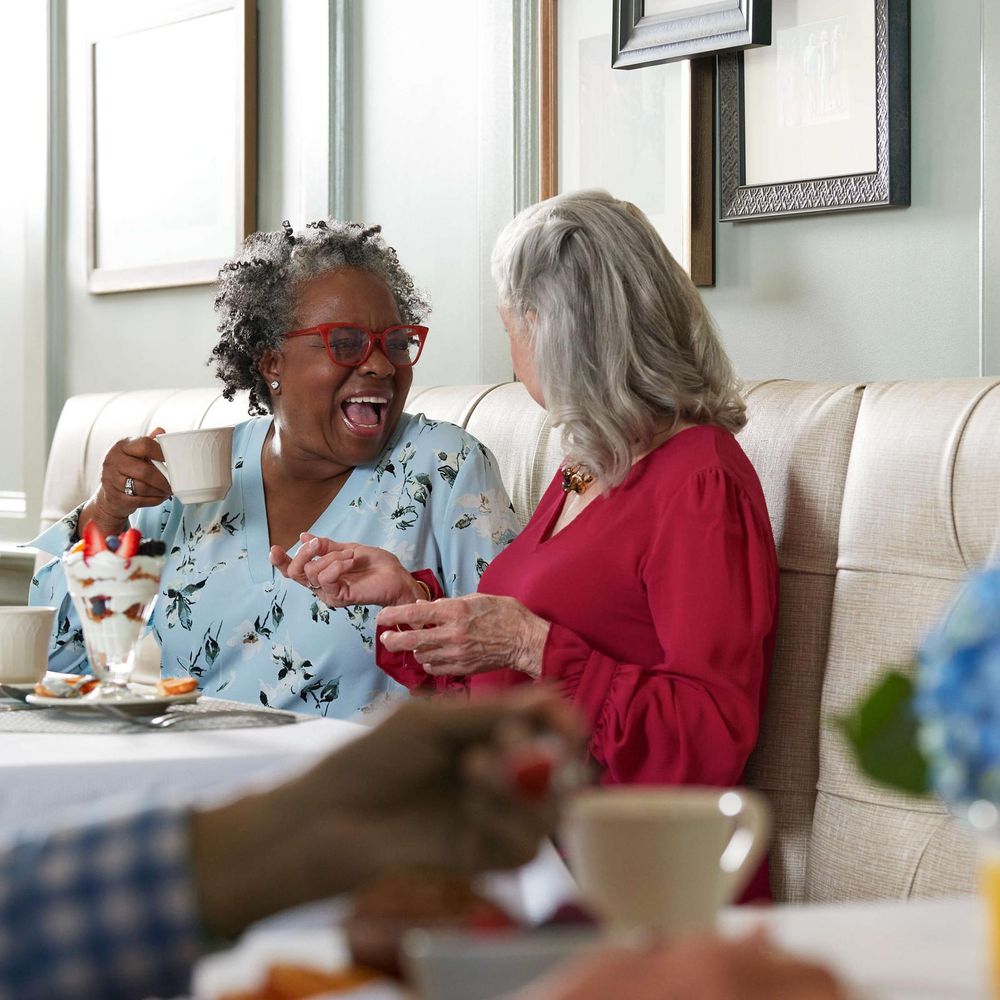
881	498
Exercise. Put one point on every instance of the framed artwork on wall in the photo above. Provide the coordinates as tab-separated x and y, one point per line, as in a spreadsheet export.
172	163
647	136
819	121
647	32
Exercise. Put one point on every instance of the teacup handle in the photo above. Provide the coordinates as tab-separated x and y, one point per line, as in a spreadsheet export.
162	467
748	841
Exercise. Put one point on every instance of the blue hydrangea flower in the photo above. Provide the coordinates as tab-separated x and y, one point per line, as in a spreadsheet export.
958	695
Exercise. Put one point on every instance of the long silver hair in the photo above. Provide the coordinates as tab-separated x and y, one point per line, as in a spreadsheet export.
620	336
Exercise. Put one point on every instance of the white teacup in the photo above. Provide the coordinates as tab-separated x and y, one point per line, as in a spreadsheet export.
24	643
664	859
198	464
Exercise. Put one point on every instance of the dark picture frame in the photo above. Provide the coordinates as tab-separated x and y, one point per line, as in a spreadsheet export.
702	143
641	40
888	185
125	249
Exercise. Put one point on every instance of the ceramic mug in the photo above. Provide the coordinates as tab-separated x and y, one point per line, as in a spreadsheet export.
198	464
664	859
24	643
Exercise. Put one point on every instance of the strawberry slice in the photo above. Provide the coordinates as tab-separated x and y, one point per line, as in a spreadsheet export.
129	543
93	540
486	918
532	775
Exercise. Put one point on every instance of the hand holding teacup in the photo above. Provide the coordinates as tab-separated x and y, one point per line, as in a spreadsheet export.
129	480
194	466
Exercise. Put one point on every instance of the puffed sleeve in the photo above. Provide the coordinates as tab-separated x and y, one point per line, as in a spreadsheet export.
48	589
711	579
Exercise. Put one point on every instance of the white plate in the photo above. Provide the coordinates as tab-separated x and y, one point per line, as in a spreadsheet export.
143	699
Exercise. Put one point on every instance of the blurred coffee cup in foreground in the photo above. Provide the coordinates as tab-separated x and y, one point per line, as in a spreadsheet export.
664	859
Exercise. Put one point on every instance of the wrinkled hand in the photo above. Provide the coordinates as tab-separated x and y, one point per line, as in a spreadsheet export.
431	786
111	506
468	635
342	574
695	968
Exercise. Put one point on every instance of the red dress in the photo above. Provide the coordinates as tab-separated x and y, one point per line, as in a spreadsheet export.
662	596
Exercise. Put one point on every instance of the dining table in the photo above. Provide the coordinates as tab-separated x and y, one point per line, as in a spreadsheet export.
62	766
59	767
925	949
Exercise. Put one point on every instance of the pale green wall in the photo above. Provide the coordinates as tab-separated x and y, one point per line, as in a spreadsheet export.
162	338
888	293
876	294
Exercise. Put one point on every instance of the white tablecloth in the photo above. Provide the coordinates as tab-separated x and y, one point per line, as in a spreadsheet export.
50	778
922	950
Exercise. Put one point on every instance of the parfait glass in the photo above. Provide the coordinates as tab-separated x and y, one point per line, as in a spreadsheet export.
113	613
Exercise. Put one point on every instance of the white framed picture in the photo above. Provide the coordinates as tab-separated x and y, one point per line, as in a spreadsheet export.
645	135
172	156
819	120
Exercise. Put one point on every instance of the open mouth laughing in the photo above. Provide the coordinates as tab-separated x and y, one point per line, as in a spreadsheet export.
364	414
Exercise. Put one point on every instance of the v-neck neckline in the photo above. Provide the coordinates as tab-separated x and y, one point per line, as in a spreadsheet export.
552	520
546	536
251	480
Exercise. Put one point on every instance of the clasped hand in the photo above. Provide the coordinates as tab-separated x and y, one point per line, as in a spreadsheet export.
457	636
467	635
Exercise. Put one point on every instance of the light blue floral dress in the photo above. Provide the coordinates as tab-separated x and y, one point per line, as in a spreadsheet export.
434	498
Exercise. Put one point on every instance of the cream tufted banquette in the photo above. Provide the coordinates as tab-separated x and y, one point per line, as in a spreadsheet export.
882	496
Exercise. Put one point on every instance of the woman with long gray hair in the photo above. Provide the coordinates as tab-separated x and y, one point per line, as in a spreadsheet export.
645	585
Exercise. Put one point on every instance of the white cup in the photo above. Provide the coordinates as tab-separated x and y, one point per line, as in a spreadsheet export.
198	464
24	643
664	859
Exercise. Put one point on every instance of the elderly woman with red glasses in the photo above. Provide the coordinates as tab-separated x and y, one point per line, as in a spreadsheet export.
322	328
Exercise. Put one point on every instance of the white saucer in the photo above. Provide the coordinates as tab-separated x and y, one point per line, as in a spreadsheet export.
143	699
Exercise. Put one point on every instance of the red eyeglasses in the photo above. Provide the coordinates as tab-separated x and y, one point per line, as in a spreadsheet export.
350	345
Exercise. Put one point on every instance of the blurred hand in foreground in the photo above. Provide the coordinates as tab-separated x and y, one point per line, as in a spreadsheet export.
439	785
693	968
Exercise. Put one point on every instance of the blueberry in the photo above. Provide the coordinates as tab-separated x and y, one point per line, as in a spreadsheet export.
112	542
98	605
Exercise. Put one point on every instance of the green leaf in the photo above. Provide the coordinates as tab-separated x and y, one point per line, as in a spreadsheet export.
882	731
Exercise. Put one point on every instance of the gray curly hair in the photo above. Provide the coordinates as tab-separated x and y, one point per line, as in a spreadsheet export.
621	338
257	293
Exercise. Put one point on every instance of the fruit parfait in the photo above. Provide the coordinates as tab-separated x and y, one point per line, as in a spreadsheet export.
113	582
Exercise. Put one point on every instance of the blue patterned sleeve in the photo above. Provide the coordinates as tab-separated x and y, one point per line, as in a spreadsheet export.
100	912
48	589
477	522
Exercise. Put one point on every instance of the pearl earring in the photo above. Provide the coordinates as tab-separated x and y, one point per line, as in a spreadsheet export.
275	384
